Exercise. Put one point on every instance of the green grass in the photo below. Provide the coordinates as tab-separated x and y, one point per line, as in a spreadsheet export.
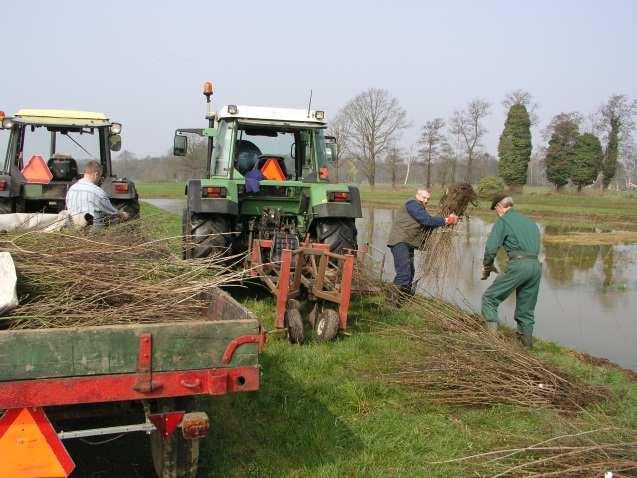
322	412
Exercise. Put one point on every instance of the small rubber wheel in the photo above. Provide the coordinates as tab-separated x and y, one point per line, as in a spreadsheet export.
326	326
294	324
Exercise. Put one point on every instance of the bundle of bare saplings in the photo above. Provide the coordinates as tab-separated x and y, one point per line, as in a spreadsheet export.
572	455
113	276
457	361
439	249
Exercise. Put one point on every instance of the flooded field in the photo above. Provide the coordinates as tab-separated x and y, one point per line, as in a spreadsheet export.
588	295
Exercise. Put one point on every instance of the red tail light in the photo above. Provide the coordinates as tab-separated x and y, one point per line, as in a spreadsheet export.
3	184
213	192
338	196
121	187
324	173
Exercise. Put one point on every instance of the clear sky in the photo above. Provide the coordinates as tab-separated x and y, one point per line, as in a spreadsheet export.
143	62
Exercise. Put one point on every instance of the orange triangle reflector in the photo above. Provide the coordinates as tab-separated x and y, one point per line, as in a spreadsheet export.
36	171
272	170
30	448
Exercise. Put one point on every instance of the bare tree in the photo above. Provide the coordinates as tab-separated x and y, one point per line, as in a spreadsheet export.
394	160
411	158
375	120
339	129
522	97
430	140
467	124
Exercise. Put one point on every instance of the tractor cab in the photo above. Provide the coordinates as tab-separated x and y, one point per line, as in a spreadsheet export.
44	152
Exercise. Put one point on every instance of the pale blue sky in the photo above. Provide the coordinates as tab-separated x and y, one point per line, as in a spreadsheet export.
143	62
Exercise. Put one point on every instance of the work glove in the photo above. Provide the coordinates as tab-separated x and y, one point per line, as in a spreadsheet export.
451	219
487	270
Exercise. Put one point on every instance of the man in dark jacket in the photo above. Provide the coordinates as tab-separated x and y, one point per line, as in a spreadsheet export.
520	238
411	224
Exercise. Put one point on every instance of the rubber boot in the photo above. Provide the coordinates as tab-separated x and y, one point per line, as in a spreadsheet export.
526	340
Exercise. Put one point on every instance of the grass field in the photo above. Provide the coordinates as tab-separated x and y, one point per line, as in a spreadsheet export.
610	210
322	412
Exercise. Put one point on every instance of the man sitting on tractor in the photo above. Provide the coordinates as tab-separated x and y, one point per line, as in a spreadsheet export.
85	199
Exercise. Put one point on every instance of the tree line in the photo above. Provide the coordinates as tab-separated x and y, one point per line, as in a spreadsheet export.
572	149
580	151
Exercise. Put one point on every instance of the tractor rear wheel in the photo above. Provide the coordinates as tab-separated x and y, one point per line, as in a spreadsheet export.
130	206
339	233
208	235
6	207
175	457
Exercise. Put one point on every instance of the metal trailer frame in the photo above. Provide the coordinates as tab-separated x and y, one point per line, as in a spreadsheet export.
325	275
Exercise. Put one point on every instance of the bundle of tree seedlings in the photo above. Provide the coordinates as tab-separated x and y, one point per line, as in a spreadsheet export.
607	451
458	362
113	276
439	248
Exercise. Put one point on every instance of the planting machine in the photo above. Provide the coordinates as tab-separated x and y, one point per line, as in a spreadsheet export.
266	194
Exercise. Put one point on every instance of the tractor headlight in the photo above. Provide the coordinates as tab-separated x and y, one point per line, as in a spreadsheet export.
7	123
319	115
116	128
232	109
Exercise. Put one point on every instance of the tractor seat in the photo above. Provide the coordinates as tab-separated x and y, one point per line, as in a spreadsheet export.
63	167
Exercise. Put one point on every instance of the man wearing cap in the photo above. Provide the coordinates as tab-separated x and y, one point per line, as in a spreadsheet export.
408	231
520	238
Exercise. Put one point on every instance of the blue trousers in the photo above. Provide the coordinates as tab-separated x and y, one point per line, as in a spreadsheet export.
403	264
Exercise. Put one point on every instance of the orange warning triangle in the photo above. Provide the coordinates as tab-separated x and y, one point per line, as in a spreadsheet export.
30	448
272	170
36	171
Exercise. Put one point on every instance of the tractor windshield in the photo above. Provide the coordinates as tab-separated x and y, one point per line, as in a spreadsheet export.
72	144
298	152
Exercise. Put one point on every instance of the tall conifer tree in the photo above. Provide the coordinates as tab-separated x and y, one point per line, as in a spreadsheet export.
514	148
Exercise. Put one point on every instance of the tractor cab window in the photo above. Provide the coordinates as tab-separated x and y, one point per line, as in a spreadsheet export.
65	149
293	150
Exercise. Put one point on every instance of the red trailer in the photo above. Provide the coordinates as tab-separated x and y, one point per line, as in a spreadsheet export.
125	378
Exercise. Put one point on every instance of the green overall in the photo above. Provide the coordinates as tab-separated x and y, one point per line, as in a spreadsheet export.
520	237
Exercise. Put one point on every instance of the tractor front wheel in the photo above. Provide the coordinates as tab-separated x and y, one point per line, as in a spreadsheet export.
339	233
205	235
129	206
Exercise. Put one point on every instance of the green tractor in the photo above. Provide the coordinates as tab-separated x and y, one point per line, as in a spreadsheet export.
42	153
266	178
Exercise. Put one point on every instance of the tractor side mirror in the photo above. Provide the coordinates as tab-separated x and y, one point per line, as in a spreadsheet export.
180	145
115	142
331	150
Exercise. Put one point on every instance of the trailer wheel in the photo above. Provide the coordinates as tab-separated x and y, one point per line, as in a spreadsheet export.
294	324
339	233
174	457
209	235
327	324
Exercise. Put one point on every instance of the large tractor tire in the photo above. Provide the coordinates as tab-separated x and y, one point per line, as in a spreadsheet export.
131	206
205	235
175	457
6	206
339	233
